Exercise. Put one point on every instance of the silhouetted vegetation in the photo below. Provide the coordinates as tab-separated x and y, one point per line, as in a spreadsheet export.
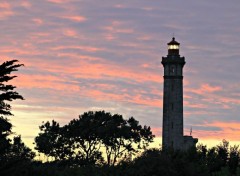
198	161
13	152
101	144
91	137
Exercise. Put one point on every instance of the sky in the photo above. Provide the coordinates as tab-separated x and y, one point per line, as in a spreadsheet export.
83	55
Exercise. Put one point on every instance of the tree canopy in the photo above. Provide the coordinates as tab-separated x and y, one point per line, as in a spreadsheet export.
86	139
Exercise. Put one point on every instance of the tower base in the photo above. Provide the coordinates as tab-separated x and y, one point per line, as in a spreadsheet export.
189	142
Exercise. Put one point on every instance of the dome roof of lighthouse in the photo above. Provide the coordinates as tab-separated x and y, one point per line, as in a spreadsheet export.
173	42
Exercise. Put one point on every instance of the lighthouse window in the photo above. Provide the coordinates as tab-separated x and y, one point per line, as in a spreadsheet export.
172	125
172	69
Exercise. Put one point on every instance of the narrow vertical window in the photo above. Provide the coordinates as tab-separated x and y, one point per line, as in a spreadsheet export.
172	86
172	106
172	144
172	125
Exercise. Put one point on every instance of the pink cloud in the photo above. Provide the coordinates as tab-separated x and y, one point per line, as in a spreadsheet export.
76	18
5	10
19	51
144	37
37	21
70	33
191	105
58	1
44	81
96	70
205	88
116	27
157	132
119	6
26	4
230	100
148	8
84	48
6	13
229	131
5	5
110	37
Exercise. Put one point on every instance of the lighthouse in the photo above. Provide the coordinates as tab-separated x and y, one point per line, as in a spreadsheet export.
172	131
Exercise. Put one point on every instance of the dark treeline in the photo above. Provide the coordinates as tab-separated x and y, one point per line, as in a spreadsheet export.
100	144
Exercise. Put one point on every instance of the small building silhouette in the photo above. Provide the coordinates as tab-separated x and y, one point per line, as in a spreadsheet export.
172	133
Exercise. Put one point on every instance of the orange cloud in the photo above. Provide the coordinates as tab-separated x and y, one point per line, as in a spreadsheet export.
229	131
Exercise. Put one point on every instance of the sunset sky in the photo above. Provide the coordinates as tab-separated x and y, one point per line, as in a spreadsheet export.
82	55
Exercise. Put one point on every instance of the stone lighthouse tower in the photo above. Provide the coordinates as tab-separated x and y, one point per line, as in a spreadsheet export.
172	137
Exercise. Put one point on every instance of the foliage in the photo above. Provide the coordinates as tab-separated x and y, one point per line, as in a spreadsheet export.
5	131
16	156
83	142
8	93
123	137
79	142
84	137
234	158
13	153
51	141
19	150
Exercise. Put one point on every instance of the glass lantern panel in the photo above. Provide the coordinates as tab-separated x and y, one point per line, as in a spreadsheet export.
173	47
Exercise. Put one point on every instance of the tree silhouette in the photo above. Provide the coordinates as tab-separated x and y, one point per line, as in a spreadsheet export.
81	139
51	141
5	131
124	137
222	150
7	94
83	134
19	151
234	158
12	152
